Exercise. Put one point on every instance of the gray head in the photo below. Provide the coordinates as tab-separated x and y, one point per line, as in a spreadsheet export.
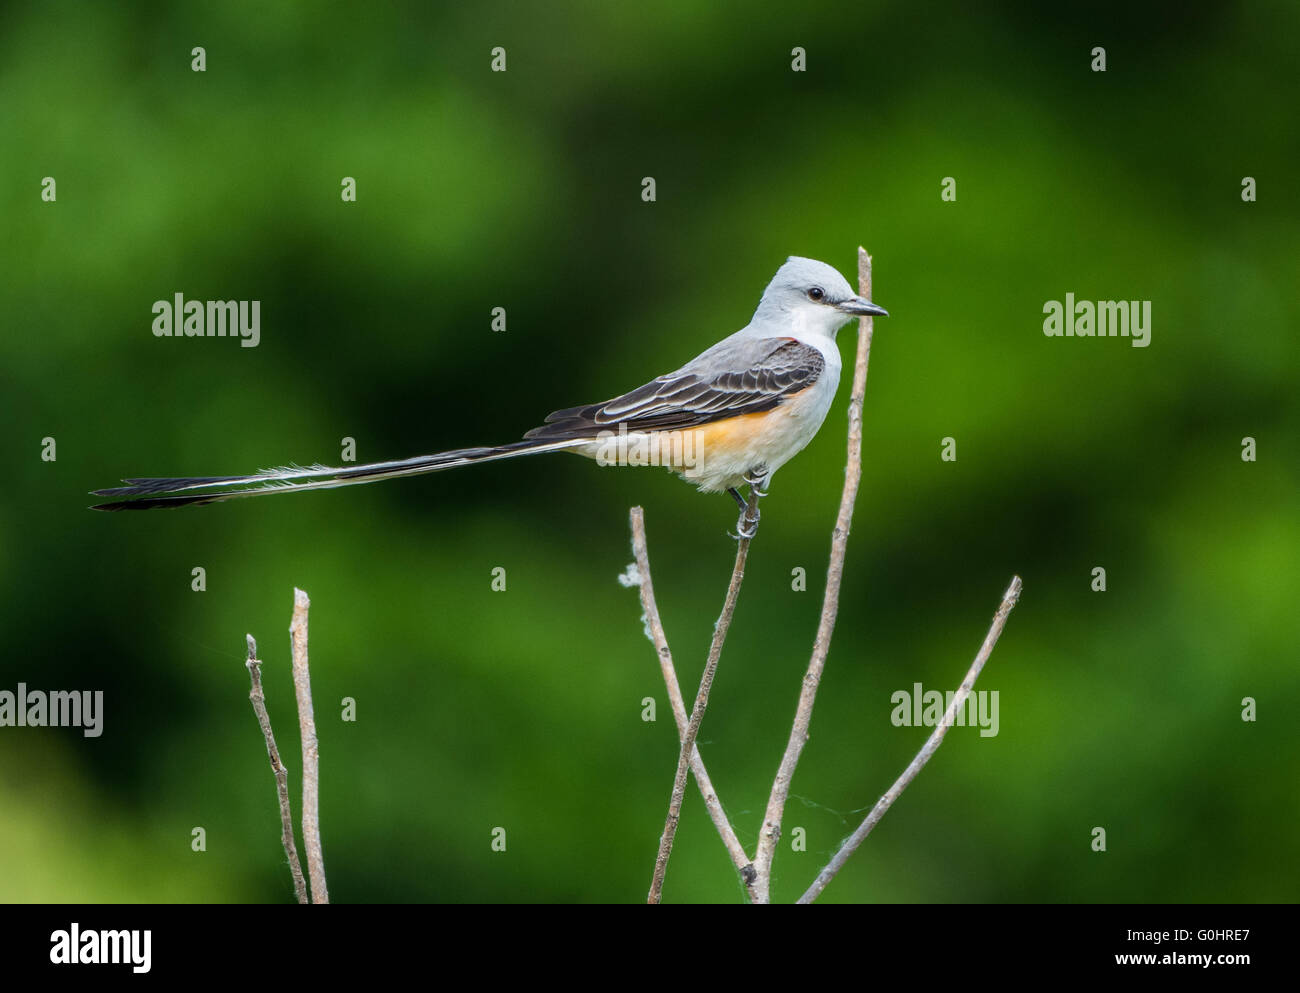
814	297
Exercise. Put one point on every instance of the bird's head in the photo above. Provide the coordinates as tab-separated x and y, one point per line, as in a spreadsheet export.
814	297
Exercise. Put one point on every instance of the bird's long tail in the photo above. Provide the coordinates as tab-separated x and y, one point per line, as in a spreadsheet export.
149	493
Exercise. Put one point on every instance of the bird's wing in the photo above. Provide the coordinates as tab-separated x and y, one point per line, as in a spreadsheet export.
740	376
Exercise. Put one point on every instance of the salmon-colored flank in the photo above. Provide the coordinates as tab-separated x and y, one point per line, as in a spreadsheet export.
730	434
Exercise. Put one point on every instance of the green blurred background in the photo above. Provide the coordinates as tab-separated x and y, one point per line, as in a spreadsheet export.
522	709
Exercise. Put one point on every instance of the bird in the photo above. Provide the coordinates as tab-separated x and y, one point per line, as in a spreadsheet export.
731	416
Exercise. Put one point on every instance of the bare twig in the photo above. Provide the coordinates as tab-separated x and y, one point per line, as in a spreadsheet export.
701	702
771	829
310	750
927	750
656	628
277	768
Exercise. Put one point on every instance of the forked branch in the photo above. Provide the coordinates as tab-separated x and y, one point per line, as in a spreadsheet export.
927	750
750	518
655	627
310	758
757	874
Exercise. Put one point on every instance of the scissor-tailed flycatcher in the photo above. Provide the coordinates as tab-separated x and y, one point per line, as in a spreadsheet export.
734	414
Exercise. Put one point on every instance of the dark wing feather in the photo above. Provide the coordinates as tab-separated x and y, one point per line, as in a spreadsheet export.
776	369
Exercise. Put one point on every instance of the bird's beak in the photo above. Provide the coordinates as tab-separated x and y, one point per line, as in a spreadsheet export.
861	307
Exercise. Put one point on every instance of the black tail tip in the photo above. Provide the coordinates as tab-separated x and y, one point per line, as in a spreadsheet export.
152	503
111	506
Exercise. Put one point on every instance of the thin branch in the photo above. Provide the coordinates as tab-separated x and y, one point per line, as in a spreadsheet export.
770	832
656	628
277	768
701	702
310	750
927	750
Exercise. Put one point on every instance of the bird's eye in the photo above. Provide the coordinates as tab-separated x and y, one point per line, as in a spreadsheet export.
816	293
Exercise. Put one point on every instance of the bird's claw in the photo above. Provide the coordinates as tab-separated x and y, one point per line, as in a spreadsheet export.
746	524
757	480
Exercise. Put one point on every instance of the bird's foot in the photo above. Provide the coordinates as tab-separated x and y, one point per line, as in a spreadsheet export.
747	523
